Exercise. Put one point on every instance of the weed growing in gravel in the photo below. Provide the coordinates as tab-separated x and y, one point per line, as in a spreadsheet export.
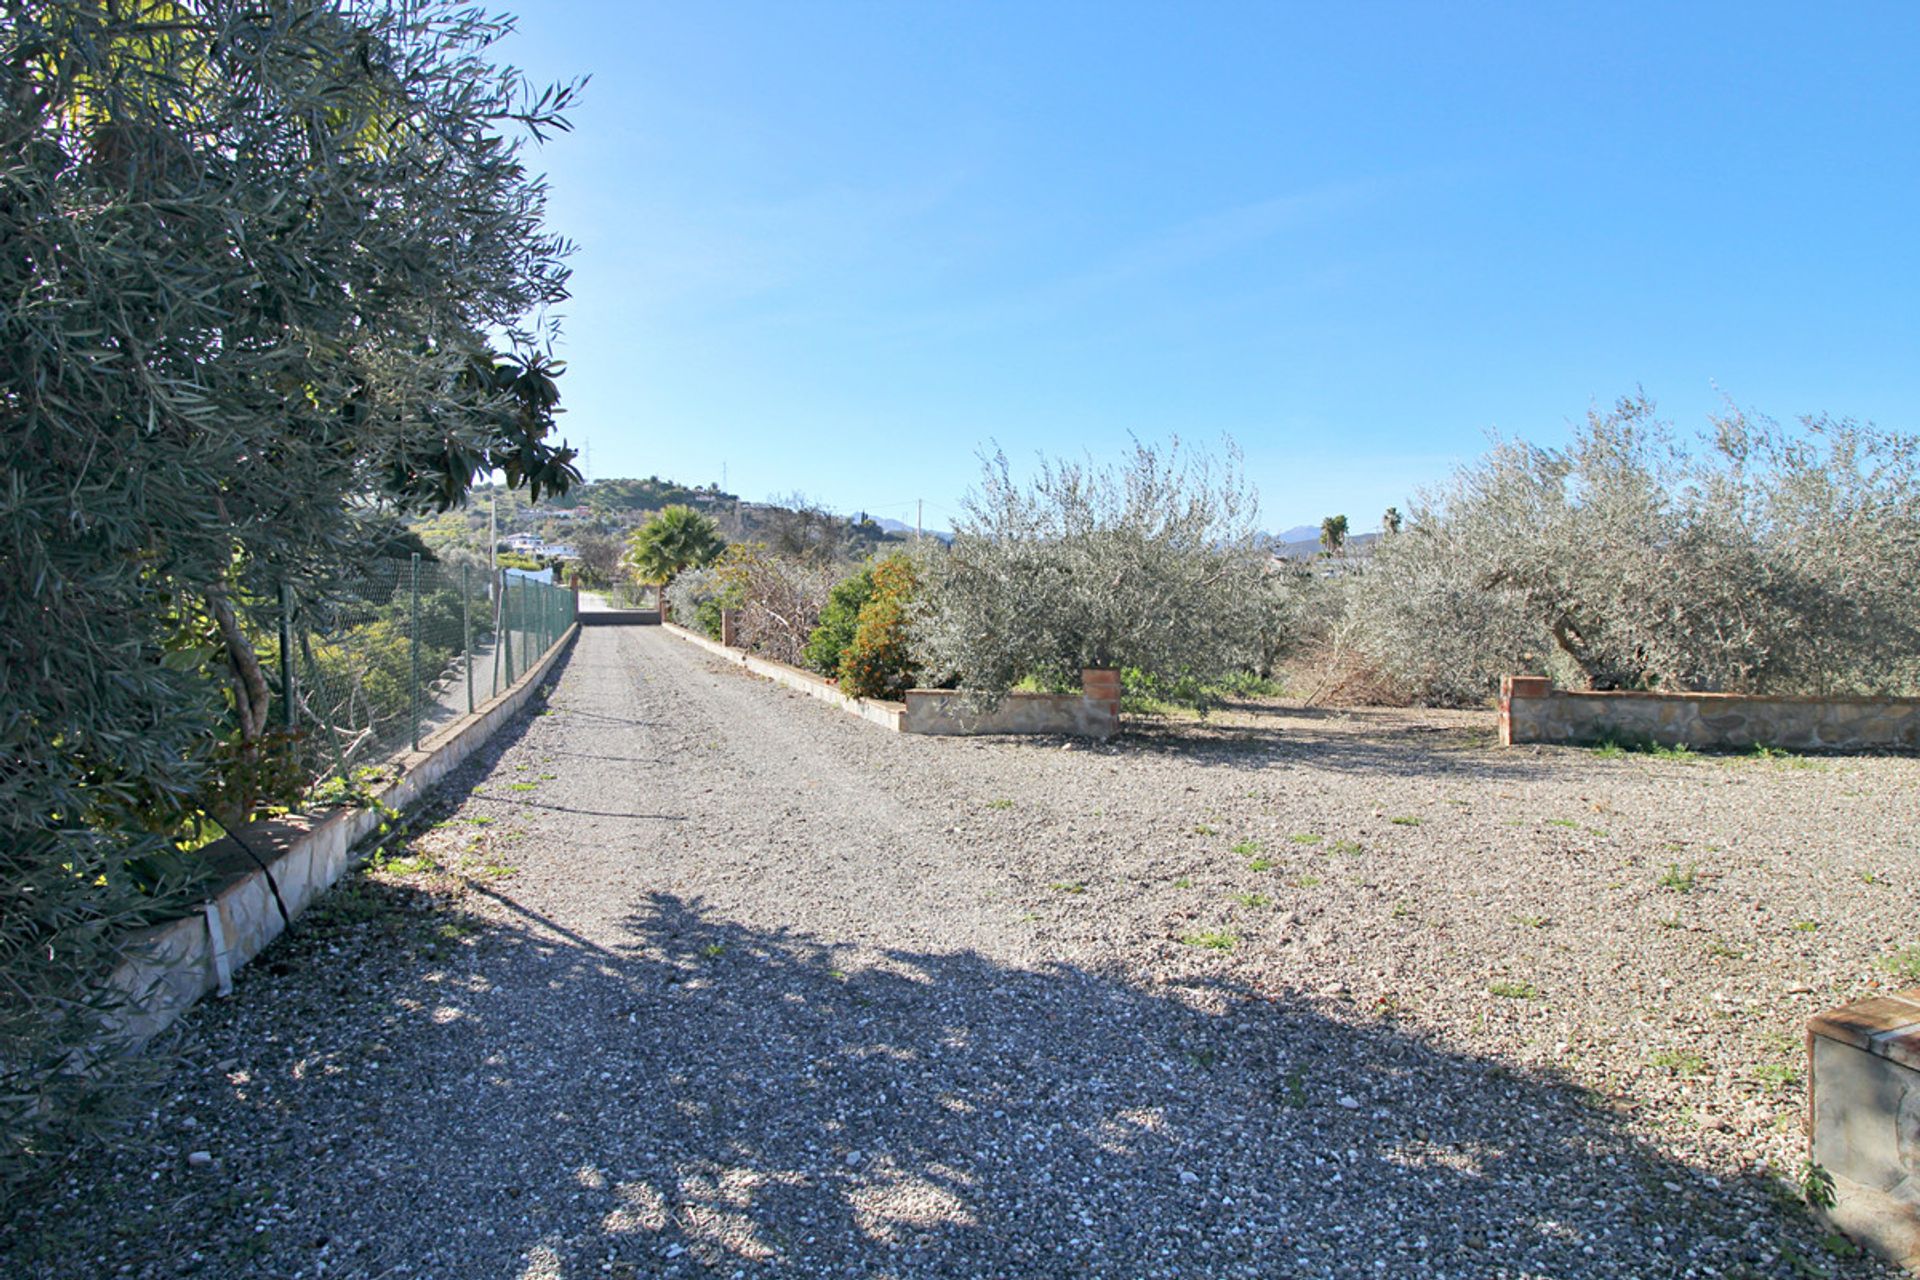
1000	804
1531	922
1293	1089
418	864
1304	837
1247	848
1668	922
1407	821
1678	751
1903	964
1068	886
714	950
1252	899
1680	879
1806	926
1867	877
1562	822
1202	829
1720	949
1306	882
1776	1075
1260	864
523	786
1609	750
1402	909
1682	1062
1184	882
1511	989
1213	939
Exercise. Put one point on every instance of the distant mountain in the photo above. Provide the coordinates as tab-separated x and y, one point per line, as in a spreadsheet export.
1299	533
1358	545
901	526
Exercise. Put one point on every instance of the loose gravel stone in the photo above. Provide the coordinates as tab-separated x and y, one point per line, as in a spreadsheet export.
695	976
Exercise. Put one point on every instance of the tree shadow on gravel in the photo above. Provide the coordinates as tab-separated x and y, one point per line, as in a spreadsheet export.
705	1098
1338	747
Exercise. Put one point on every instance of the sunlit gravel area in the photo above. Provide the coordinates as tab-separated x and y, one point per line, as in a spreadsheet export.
691	975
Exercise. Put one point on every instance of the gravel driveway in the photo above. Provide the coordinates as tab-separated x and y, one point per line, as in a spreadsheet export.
696	976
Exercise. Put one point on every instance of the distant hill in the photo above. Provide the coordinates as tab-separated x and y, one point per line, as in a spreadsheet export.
902	527
1306	548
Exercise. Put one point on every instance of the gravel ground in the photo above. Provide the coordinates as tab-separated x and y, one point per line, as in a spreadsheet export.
696	976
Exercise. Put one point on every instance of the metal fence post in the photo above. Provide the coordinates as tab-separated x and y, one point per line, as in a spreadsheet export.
493	597
413	648
289	692
466	628
506	620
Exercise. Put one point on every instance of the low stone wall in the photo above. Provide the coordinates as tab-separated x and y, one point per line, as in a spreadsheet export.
1864	1096
170	966
944	711
1532	710
1092	713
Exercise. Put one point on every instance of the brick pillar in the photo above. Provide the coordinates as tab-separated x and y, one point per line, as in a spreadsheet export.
727	617
1102	685
1512	687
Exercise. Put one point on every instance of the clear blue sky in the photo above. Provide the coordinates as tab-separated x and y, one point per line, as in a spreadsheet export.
837	247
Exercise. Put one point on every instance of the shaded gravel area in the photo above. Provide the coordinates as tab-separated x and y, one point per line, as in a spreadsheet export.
695	976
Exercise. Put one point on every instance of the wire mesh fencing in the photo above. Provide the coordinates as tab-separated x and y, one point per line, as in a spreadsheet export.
402	649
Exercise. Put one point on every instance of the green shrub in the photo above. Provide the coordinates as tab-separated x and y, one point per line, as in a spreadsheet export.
876	663
838	622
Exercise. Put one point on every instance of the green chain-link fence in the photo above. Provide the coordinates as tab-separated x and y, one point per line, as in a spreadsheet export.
406	647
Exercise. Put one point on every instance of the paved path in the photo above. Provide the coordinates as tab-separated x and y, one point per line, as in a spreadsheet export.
764	995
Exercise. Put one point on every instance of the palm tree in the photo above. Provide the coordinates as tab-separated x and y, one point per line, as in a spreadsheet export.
1333	534
677	539
1390	523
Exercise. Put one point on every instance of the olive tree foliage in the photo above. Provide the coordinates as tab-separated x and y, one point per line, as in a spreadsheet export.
269	270
1756	560
1153	564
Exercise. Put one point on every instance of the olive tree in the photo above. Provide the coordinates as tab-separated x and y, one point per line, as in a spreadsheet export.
1152	565
273	272
1757	559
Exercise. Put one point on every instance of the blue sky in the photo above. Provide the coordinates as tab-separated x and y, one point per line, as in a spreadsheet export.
838	247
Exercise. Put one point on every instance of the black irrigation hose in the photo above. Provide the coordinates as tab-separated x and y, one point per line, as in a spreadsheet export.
271	884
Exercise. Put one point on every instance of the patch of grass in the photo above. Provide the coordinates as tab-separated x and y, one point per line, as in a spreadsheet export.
1293	1089
1184	882
1513	989
418	864
1903	964
1202	829
1682	1062
1068	886
1260	864
1678	751
1305	837
1608	749
1352	848
1402	909
1306	882
1562	822
1406	820
482	821
1776	1075
1213	939
456	929
1531	922
523	786
1247	848
1720	949
1668	922
1806	926
1000	804
1252	899
1680	879
714	950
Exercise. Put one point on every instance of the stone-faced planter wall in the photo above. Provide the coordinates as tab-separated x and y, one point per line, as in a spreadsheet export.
1094	712
170	966
1532	710
1864	1096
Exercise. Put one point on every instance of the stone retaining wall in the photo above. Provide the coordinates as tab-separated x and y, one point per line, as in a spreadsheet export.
1532	710
170	966
1092	713
1864	1098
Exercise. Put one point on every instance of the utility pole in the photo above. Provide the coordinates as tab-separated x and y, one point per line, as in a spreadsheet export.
919	516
